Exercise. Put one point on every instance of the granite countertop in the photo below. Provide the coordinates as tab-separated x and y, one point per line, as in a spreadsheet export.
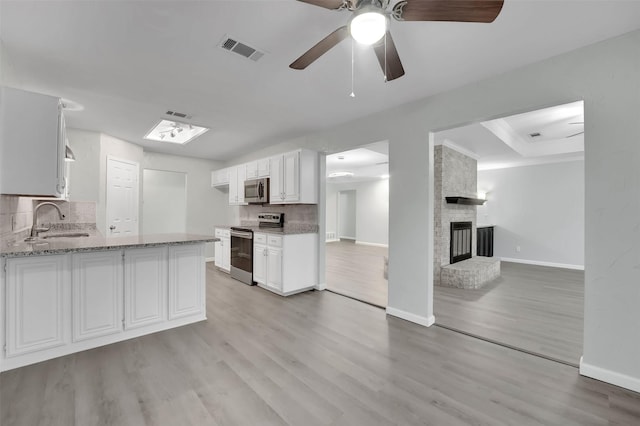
98	243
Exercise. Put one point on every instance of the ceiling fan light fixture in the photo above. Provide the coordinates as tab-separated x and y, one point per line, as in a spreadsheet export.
368	25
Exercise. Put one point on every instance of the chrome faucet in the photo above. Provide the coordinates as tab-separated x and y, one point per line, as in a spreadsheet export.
34	228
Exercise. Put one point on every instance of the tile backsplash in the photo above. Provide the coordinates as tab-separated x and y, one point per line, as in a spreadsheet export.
16	215
293	213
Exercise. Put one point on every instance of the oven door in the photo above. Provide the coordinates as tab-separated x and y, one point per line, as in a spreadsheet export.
242	256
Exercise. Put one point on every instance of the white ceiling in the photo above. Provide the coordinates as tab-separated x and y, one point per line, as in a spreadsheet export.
507	142
128	62
366	163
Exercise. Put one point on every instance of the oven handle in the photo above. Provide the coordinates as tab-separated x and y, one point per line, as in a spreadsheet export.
242	234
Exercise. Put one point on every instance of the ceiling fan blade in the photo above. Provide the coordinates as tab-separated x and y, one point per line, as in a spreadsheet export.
576	134
320	49
389	58
327	4
449	10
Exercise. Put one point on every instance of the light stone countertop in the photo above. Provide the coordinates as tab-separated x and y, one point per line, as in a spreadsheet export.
288	229
98	243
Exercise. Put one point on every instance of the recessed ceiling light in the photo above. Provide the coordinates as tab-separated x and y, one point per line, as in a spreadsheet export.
174	132
340	174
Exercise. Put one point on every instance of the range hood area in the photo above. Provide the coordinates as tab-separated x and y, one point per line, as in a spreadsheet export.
465	201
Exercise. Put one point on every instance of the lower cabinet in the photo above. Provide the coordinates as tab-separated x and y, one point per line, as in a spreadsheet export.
97	285
37	304
61	304
186	275
145	286
285	264
223	249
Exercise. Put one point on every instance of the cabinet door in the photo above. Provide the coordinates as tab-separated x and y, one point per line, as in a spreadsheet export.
97	285
145	284
252	170
37	302
263	168
276	182
233	185
241	176
226	253
291	176
186	280
218	253
274	268
260	263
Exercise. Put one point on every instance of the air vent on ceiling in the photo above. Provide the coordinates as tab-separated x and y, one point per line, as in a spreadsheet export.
535	134
179	114
242	49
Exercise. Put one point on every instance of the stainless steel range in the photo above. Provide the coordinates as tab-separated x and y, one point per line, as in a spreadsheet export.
242	254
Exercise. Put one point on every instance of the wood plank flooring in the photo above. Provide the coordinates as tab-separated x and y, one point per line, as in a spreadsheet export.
316	358
357	271
535	308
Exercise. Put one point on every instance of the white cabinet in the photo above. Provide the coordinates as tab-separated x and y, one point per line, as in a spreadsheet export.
223	249
294	178
285	264
97	285
237	176
37	303
186	280
258	169
220	177
145	286
33	141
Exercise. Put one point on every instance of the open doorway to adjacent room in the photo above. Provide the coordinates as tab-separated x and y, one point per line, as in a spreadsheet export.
509	231
357	223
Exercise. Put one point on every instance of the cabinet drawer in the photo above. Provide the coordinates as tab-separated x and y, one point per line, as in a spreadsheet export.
274	240
223	233
260	238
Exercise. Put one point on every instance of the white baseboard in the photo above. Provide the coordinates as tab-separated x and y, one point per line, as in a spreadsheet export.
364	243
608	376
210	259
408	316
333	240
541	263
346	238
321	286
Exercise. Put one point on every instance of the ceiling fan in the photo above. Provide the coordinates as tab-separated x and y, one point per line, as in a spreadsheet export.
369	25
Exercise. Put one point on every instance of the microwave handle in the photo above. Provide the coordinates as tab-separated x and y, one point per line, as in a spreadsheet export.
261	190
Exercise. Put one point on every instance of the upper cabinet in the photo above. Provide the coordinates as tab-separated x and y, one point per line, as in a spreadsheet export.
237	176
258	169
294	178
33	141
220	177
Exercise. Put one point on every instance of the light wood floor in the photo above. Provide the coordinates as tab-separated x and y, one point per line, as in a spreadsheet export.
357	271
316	358
535	308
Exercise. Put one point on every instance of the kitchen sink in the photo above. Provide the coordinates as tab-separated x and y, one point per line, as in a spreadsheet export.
69	235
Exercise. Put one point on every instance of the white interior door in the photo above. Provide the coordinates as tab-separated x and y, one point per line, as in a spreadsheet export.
122	198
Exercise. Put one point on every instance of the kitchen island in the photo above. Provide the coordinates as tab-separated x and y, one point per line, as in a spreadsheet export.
64	295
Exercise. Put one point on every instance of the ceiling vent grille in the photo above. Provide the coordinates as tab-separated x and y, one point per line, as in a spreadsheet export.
179	114
535	135
242	49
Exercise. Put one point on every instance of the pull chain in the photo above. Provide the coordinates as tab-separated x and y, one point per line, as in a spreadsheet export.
353	95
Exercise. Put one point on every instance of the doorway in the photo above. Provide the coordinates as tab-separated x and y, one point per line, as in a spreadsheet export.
122	197
525	176
164	202
357	223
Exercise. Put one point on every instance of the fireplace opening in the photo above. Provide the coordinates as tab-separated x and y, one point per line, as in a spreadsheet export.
460	247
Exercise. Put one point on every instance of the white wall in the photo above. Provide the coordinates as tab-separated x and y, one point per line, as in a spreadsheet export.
605	76
372	210
164	202
538	208
347	214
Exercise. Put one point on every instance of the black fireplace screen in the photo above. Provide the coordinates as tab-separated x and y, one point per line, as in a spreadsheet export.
460	247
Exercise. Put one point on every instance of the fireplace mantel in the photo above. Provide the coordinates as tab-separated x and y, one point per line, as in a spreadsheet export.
465	201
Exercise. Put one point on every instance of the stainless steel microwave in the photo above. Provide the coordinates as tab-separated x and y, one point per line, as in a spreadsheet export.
256	191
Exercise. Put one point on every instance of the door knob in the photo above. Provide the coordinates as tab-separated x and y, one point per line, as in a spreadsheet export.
112	227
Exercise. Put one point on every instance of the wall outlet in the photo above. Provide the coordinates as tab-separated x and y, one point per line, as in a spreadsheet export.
518	249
